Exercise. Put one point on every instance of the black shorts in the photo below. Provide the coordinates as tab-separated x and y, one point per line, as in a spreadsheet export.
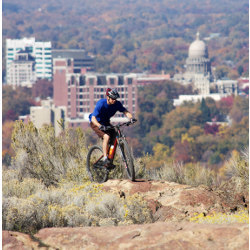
101	133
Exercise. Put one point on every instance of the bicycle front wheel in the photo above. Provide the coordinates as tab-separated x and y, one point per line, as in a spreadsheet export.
97	172
127	159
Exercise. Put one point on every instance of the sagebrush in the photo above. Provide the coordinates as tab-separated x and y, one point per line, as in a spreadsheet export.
68	204
40	154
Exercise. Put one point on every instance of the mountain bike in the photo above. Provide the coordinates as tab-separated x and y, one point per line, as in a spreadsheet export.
97	171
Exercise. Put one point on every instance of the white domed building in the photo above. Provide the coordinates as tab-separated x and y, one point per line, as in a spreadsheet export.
198	67
198	61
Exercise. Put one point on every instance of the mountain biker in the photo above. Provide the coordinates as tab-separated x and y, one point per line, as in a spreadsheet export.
100	119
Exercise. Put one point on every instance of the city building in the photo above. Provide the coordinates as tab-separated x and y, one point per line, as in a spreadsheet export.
79	92
48	113
195	98
77	57
40	51
43	56
227	86
22	69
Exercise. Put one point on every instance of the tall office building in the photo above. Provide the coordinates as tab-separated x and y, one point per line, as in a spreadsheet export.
41	51
43	59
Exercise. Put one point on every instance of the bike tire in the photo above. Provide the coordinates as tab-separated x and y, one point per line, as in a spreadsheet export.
127	159
96	174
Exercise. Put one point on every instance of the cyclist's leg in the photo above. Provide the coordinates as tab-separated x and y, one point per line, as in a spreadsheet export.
105	138
105	142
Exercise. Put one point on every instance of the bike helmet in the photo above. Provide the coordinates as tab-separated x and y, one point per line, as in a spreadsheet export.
112	93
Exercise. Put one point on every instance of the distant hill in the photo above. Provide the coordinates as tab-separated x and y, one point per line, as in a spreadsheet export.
135	35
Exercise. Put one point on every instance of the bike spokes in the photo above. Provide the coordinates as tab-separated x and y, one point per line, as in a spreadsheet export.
96	170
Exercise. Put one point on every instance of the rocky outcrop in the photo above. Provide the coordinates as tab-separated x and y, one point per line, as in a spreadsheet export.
172	206
160	235
171	201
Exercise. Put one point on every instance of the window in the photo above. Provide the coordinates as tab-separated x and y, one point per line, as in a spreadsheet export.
130	80
82	80
112	81
91	81
120	80
72	80
101	80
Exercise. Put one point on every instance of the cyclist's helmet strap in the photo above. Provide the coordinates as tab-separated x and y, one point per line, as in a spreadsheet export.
113	93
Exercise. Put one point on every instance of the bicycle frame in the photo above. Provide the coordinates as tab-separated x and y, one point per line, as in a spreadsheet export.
116	141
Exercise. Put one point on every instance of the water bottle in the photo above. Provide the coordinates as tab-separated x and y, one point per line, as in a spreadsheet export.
111	150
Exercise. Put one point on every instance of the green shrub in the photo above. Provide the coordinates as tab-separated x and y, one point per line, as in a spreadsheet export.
136	210
107	205
19	215
40	154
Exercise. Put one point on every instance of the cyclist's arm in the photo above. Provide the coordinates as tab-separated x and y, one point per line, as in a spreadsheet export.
128	114
95	122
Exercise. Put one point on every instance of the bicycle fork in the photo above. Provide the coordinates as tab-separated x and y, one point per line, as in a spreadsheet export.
122	155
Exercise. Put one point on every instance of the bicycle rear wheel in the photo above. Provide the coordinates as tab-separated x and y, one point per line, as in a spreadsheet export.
97	172
127	159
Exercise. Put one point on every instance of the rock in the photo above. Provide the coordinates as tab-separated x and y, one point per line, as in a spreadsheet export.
171	201
19	241
160	235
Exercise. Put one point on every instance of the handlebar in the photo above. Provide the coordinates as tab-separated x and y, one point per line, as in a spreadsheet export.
121	125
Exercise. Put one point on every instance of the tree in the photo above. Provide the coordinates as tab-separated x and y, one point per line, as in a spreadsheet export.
205	112
240	70
182	151
16	102
43	89
240	108
106	45
221	72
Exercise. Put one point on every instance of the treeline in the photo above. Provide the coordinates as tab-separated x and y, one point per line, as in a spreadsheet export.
136	35
206	132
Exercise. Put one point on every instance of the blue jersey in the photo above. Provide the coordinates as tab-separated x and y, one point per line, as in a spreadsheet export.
103	112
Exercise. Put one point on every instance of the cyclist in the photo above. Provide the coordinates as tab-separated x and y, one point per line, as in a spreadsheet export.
99	120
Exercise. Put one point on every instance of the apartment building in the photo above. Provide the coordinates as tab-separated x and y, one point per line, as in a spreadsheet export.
79	92
21	69
40	51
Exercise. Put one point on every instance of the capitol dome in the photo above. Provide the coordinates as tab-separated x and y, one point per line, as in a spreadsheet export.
198	48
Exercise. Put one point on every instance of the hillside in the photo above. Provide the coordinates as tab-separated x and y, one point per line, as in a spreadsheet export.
172	206
136	35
